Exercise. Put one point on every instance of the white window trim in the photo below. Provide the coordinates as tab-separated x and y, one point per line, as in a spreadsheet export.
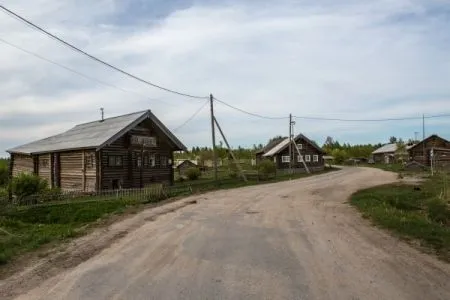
299	158
285	159
315	158
308	158
300	146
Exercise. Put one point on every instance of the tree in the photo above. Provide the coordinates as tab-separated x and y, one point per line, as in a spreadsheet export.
392	140
401	154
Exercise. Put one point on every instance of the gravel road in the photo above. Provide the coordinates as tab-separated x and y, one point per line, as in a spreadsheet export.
291	240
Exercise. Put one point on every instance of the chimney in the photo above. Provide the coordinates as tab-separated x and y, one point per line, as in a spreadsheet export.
103	114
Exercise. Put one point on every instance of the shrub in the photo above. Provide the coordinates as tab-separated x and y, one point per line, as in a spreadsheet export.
27	184
233	174
438	211
53	194
193	173
266	167
4	175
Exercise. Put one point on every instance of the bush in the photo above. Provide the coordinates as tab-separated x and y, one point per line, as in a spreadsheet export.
193	173
48	195
266	167
27	184
438	211
4	175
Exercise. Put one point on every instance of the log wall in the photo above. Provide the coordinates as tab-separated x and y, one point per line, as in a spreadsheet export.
22	164
136	169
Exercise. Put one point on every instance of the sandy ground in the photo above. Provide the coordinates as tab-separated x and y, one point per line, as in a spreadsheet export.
291	240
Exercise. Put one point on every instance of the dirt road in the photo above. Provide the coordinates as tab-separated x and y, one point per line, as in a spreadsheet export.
290	240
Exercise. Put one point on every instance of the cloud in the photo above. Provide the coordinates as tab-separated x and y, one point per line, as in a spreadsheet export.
346	59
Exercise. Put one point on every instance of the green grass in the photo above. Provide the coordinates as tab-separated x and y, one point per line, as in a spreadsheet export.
26	228
422	215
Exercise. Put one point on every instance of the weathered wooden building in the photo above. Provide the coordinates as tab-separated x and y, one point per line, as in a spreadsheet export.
185	165
433	146
129	151
310	153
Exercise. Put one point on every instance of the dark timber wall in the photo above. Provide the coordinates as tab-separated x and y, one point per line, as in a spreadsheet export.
137	168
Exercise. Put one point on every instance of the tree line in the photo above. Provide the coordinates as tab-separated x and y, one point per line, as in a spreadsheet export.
332	147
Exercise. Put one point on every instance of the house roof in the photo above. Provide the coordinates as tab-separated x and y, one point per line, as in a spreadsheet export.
270	145
285	143
95	134
385	149
389	148
431	136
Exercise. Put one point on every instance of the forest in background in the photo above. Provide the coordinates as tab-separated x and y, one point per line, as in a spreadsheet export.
332	147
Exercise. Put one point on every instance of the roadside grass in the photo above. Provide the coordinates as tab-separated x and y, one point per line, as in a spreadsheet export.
421	214
27	228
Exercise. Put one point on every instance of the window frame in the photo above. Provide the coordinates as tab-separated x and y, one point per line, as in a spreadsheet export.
116	159
300	146
315	158
307	157
285	159
300	158
44	163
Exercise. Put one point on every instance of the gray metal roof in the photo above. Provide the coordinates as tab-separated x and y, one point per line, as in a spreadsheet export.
389	148
280	146
94	135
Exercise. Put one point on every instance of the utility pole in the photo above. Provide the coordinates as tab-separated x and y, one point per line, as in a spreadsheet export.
290	143
423	139
213	132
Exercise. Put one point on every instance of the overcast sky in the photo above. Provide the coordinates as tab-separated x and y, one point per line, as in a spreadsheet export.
337	59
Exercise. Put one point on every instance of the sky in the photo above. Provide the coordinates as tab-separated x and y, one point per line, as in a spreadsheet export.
334	59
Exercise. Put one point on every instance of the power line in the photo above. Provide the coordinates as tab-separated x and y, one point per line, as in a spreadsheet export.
192	117
29	23
249	113
78	73
371	120
330	119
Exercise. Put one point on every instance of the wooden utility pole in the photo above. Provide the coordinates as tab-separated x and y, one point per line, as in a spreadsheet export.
290	143
213	132
423	139
230	151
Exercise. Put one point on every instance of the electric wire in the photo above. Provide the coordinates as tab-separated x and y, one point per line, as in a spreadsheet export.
76	49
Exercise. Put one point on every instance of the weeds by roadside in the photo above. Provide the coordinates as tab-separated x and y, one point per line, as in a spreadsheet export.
417	212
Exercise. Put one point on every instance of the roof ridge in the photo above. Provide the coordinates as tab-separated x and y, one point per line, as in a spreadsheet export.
110	118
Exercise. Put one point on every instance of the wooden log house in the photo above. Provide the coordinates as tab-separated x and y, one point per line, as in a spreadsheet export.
129	151
311	154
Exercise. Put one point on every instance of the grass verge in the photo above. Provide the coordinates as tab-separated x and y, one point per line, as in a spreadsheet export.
421	214
27	228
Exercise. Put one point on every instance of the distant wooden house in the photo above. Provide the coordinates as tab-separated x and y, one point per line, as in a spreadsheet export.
185	165
128	151
310	153
434	147
387	153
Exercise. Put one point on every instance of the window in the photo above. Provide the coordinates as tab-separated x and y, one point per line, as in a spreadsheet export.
315	158
163	161
44	163
300	146
308	158
299	158
285	158
89	161
152	160
115	161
